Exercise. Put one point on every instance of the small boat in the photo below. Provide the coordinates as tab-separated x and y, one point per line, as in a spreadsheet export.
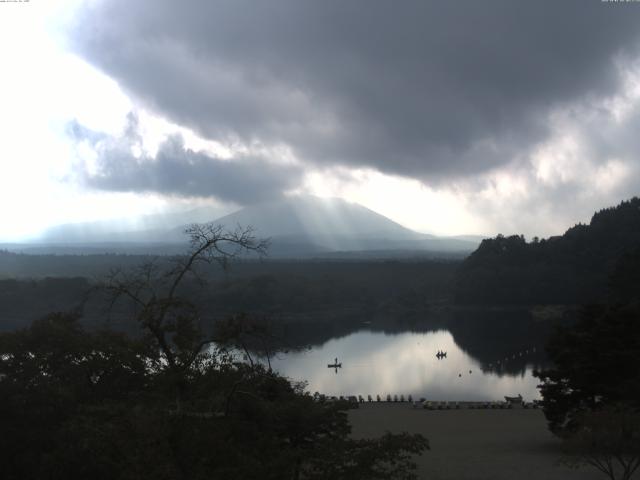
335	364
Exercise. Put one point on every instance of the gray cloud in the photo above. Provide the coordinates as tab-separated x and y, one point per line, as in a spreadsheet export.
599	168
425	89
177	170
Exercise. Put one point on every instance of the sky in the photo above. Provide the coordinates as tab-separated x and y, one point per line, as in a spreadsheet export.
467	117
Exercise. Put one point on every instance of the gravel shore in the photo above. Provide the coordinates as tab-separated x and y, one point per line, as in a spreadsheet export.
474	444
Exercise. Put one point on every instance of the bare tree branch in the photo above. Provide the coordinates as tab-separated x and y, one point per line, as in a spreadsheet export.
153	291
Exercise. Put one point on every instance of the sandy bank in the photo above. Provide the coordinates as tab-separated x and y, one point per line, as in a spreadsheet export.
474	444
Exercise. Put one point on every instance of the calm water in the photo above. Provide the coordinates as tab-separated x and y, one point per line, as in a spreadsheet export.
375	363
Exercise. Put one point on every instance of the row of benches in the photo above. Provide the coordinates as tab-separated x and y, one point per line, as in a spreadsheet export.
424	403
430	405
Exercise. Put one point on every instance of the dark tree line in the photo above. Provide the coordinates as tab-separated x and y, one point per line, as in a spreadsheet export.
569	269
294	291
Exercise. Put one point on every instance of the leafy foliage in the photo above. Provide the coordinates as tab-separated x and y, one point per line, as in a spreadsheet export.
100	405
595	364
609	441
591	397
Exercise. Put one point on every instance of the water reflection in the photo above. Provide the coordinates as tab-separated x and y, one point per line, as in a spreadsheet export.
376	363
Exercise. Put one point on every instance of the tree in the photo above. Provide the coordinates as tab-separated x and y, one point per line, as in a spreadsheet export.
609	440
158	299
591	397
595	364
77	404
51	375
624	281
247	333
567	269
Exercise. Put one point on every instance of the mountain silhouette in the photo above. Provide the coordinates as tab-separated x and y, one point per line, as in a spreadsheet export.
299	227
307	225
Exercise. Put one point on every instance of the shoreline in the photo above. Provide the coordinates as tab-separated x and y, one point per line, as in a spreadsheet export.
473	444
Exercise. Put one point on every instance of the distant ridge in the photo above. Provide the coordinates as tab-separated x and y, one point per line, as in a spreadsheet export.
308	215
148	228
569	269
316	226
299	227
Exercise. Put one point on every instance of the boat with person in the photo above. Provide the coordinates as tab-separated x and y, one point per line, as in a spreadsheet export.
335	365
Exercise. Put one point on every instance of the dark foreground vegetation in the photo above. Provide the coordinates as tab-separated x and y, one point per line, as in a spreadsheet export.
591	394
166	404
100	405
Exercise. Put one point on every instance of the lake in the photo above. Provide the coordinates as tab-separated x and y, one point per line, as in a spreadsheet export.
379	363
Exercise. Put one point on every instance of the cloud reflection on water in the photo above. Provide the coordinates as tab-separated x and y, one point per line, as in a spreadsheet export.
405	363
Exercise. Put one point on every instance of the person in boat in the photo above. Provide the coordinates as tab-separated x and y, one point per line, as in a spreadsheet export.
335	364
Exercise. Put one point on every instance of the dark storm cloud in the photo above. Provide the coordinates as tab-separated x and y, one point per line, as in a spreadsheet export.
177	170
425	89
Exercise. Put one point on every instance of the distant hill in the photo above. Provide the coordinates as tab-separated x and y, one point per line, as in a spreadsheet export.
569	269
317	217
147	229
299	227
315	226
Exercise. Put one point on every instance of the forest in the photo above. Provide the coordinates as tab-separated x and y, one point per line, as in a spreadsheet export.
570	269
